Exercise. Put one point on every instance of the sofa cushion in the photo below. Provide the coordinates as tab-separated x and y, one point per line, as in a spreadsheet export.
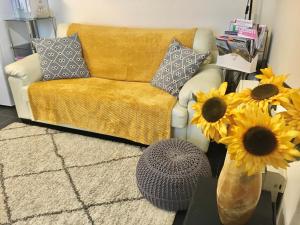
178	66
129	54
133	110
61	58
179	113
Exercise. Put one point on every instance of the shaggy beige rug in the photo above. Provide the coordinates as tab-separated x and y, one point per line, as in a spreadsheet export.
51	177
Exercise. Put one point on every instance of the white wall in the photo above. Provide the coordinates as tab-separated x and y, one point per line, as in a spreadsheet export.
265	11
283	18
5	12
5	53
5	93
150	13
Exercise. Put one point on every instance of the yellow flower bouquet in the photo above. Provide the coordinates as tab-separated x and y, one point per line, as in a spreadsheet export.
242	121
254	138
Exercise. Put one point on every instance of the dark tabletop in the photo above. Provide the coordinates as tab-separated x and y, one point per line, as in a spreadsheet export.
203	207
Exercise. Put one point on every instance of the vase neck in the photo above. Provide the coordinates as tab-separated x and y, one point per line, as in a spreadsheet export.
231	167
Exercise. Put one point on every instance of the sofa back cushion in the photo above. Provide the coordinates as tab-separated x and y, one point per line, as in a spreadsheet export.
130	54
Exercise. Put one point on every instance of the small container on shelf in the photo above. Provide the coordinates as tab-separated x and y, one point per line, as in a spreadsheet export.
31	8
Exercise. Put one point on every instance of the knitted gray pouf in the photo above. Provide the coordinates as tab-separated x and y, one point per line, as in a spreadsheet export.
168	171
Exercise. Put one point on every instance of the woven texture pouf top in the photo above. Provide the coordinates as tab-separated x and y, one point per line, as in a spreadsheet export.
168	171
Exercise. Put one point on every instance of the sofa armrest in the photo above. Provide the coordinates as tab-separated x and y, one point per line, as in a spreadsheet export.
204	41
27	69
209	77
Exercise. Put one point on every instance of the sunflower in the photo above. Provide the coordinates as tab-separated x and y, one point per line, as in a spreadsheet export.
257	140
268	76
271	92
292	115
212	112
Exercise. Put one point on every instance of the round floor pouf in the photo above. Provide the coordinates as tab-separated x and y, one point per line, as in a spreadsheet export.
168	171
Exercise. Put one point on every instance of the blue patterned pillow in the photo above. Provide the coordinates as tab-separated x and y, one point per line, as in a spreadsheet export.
61	58
178	66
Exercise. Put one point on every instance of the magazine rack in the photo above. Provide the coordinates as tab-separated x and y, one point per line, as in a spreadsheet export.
236	62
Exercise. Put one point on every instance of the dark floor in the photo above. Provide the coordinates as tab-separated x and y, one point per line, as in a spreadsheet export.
8	115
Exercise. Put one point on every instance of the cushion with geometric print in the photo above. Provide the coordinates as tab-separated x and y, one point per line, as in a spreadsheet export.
178	66
61	58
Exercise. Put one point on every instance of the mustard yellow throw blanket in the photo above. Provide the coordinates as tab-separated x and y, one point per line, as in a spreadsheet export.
132	54
132	110
111	102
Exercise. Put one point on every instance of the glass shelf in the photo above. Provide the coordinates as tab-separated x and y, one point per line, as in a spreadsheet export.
32	29
27	19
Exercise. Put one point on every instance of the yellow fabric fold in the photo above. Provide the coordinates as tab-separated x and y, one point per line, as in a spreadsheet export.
130	54
132	110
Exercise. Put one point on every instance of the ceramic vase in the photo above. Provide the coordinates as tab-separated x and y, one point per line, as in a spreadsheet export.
237	194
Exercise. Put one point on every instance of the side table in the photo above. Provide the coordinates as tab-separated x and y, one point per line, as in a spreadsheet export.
243	84
234	77
203	207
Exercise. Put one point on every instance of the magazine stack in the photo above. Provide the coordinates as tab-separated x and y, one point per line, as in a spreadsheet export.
242	45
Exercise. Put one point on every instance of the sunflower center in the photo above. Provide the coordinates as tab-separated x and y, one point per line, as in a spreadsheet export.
259	141
264	91
214	109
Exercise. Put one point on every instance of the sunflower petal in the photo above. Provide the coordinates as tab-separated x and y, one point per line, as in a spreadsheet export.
223	88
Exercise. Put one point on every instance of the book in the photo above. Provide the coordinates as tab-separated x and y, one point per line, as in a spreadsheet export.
240	47
250	33
229	32
262	30
244	23
222	46
227	44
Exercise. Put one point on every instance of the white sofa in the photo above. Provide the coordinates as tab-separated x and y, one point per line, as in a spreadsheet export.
26	71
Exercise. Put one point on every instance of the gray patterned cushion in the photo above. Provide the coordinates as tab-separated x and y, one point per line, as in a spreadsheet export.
179	65
61	58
